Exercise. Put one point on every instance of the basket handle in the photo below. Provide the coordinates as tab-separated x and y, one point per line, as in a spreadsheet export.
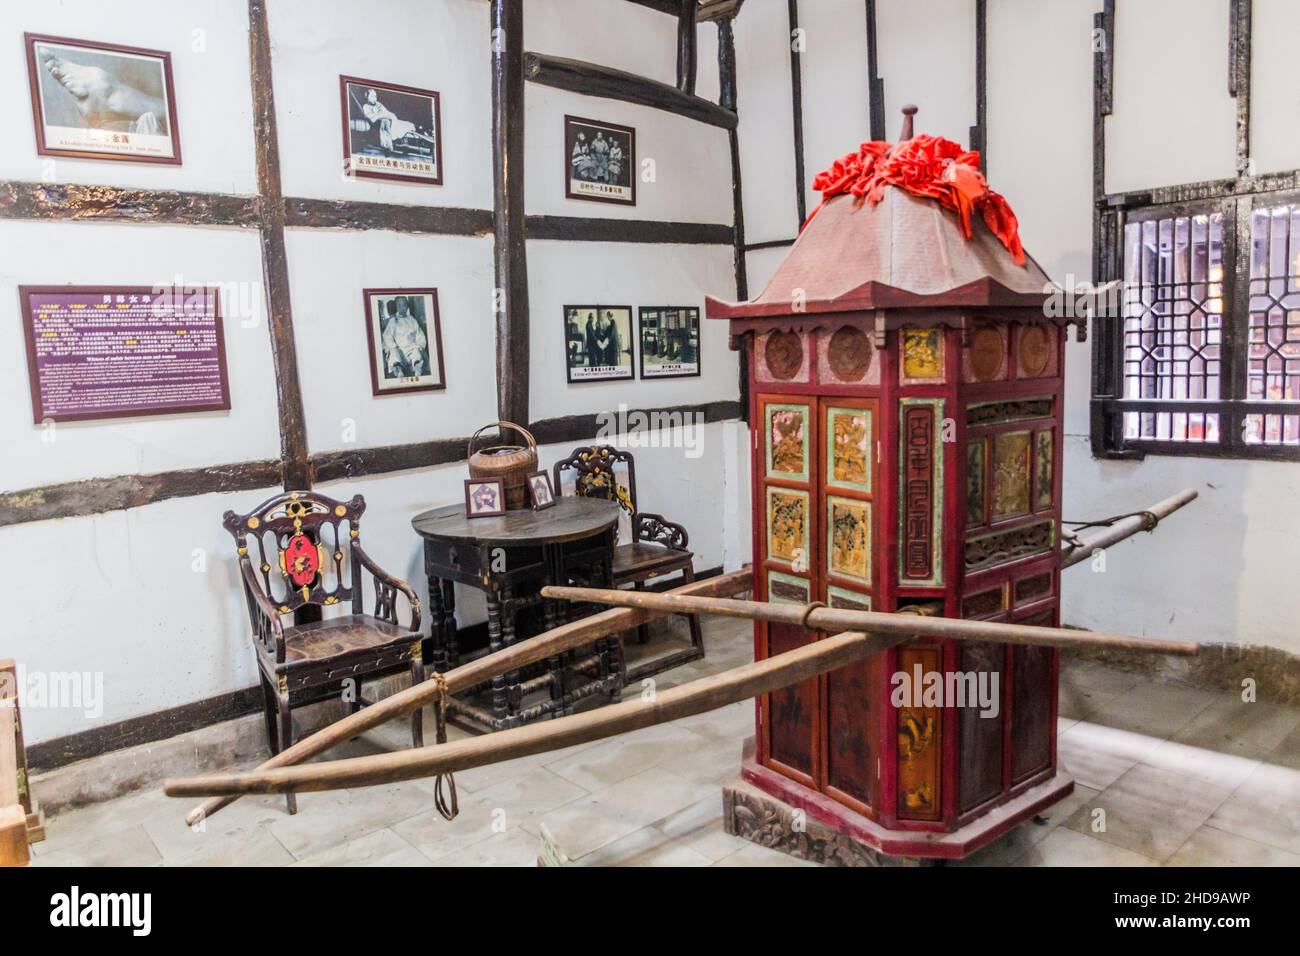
532	442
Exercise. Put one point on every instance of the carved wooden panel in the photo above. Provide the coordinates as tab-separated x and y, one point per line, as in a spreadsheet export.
848	538
848	600
787	437
921	498
846	357
786	589
1031	707
1011	475
980	750
999	547
976	482
791	710
781	356
1011	410
919	737
921	358
985	359
849	448
787	525
1044	470
852	730
1035	350
988	603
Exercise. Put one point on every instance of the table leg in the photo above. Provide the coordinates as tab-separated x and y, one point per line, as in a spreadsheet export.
450	632
514	694
613	652
499	709
437	626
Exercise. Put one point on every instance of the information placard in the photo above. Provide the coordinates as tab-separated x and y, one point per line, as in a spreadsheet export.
117	351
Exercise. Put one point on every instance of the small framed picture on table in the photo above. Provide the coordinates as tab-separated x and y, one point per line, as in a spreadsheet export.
540	493
484	497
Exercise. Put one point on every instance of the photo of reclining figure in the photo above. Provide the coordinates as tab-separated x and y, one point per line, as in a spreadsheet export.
391	132
101	101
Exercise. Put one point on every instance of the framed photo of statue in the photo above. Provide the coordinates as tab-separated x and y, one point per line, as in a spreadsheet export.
599	161
102	101
598	342
670	341
405	337
391	131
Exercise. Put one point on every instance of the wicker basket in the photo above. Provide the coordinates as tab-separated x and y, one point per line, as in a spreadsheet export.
511	463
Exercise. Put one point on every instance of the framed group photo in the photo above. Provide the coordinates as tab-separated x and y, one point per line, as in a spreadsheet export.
598	342
405	337
670	341
600	161
102	101
391	131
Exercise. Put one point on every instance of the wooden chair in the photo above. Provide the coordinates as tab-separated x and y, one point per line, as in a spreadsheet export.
303	550
658	546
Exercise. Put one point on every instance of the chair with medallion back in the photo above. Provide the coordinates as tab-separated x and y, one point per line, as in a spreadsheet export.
300	550
658	546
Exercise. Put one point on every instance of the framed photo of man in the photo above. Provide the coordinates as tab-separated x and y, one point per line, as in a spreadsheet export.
670	341
600	161
405	339
102	101
391	131
598	342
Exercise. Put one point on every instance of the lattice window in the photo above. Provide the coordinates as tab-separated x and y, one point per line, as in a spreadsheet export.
1206	338
1173	323
1273	361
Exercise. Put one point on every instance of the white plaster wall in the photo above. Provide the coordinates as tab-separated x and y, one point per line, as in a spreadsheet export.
1172	120
835	78
766	131
1275	86
208	42
635	274
688	181
927	57
46	253
327	271
148	598
443	46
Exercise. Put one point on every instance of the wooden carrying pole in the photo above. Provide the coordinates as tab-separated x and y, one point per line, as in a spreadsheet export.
685	700
460	679
827	619
1072	554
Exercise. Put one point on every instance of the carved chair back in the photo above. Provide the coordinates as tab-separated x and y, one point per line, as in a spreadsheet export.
302	549
596	474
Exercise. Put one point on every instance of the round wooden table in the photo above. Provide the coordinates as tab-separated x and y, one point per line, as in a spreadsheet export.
510	558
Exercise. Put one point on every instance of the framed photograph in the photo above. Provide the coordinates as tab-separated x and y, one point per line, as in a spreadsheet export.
102	101
670	341
484	497
96	352
391	131
600	161
405	339
539	491
598	342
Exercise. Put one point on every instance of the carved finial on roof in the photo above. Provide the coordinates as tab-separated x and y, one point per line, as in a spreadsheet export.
908	112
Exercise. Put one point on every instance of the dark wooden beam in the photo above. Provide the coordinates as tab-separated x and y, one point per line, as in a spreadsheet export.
303	213
275	267
580	428
796	103
77	203
99	495
729	97
359	462
1239	78
510	251
686	45
979	132
583	229
769	244
592	79
875	85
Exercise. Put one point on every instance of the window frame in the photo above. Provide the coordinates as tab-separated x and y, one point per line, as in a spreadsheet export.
1108	403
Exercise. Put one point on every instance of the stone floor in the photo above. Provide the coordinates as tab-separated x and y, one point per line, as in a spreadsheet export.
1184	777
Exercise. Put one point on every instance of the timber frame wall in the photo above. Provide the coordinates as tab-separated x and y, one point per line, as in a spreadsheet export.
270	212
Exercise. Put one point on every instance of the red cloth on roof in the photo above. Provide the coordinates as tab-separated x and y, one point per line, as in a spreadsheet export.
927	166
